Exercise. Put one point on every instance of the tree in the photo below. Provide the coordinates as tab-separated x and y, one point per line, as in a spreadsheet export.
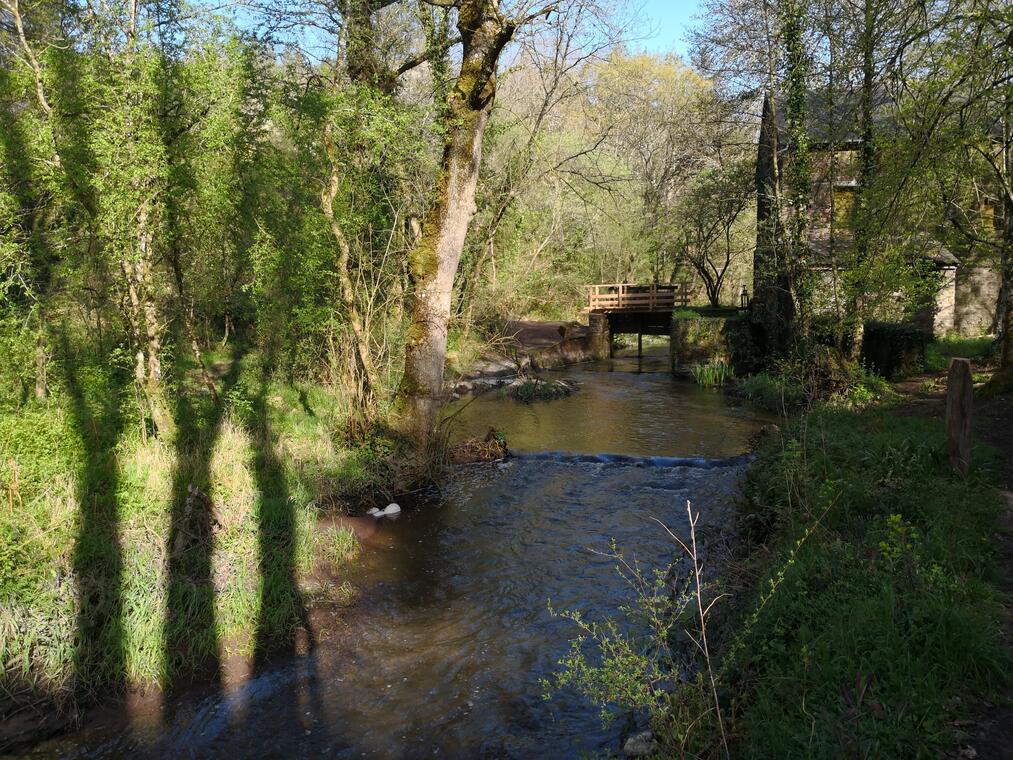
651	107
705	225
485	30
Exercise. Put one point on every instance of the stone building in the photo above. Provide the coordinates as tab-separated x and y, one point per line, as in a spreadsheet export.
968	291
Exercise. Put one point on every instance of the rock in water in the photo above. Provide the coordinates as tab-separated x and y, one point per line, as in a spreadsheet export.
640	745
391	509
374	512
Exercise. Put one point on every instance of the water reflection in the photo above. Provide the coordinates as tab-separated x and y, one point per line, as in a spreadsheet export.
616	411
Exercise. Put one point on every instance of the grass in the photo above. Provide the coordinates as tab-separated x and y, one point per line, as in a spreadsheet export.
712	374
870	613
340	546
127	559
773	392
793	391
939	352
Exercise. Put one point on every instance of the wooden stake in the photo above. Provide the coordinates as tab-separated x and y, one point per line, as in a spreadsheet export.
958	415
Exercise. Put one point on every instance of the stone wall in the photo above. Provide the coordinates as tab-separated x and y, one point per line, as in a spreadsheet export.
944	318
977	291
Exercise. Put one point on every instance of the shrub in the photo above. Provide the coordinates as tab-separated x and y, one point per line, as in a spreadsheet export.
891	349
744	345
773	392
697	339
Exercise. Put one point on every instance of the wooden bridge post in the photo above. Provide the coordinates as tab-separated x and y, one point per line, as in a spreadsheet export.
959	390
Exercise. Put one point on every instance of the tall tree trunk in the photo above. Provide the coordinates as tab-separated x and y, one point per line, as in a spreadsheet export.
853	313
145	326
771	291
433	262
1006	300
366	381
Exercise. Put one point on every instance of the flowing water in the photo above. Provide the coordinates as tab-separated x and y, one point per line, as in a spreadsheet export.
443	654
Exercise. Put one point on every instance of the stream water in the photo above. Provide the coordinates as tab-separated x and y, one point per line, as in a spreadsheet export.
443	654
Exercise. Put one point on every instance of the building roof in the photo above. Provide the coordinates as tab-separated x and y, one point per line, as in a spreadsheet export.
823	246
838	120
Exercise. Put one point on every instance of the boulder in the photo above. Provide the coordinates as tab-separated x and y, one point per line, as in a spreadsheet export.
640	745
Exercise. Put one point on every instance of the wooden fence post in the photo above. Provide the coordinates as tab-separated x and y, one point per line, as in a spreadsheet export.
958	415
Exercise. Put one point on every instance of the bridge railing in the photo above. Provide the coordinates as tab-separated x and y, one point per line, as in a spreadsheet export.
626	297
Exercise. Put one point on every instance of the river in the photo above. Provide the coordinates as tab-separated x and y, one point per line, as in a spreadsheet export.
443	653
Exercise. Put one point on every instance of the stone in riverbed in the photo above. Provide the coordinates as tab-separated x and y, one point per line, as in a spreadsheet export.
640	745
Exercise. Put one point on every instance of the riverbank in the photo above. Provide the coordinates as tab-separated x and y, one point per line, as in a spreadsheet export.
873	614
521	348
129	561
869	615
452	598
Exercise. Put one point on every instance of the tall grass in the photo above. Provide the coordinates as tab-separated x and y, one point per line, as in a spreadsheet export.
712	374
70	627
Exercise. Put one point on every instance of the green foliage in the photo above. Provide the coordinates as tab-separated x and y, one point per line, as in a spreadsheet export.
712	374
80	465
874	609
822	378
773	392
939	352
893	349
698	339
539	389
622	665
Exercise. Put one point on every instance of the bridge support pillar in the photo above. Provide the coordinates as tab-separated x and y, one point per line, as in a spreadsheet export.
601	335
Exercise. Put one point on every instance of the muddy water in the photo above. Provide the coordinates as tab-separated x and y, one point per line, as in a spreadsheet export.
443	655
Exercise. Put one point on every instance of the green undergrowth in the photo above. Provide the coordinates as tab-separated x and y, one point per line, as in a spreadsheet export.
859	619
870	617
130	559
712	374
939	352
791	390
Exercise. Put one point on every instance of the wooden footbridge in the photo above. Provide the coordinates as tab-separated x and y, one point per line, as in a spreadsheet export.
625	308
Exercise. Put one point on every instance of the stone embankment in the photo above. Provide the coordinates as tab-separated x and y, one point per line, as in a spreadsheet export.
526	347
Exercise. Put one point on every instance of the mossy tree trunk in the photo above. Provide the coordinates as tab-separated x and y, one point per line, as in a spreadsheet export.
1006	308
433	262
773	306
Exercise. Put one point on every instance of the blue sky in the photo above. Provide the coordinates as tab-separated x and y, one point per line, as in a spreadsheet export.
669	20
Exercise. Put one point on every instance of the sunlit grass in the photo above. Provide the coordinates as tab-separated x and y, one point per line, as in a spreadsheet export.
264	480
339	546
939	352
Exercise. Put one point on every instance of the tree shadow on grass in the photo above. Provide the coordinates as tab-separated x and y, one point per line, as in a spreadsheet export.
282	608
96	411
283	613
190	633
